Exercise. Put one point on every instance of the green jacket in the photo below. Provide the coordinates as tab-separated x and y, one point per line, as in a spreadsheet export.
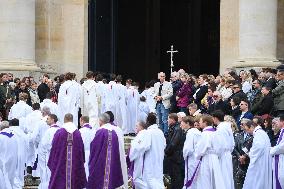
6	90
278	96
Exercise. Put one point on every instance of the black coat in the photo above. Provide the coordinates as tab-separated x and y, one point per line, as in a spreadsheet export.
42	90
235	113
220	105
241	95
264	106
271	82
200	95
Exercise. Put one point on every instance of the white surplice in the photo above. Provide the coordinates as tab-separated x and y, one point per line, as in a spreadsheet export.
209	175
151	148
121	109
227	143
111	98
120	137
87	135
143	111
192	137
51	105
69	100
19	110
43	156
149	94
8	160
259	173
101	88
132	101
278	150
89	101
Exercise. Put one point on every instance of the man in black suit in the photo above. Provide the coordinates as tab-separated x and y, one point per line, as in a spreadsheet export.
265	104
218	104
237	91
201	91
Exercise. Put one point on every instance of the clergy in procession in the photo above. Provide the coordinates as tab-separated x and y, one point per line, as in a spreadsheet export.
48	103
121	109
136	158
69	98
151	148
278	158
87	134
107	163
66	159
208	170
110	95
20	109
132	101
259	173
22	148
89	99
8	159
224	135
192	137
101	94
44	150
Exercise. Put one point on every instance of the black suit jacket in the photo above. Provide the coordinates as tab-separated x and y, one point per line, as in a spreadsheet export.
264	106
220	105
200	95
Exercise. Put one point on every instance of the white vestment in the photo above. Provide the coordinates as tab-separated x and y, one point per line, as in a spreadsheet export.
133	99
111	98
143	111
43	156
209	175
149	94
120	137
87	135
278	150
8	160
51	105
69	100
151	148
192	137
259	173
101	88
121	109
19	110
22	145
227	143
89	101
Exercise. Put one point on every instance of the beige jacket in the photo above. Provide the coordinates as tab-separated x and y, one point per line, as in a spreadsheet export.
166	93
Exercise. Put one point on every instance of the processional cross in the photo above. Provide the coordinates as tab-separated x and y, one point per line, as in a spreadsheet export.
172	51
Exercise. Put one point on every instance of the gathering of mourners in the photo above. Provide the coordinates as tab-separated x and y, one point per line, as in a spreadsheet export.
185	131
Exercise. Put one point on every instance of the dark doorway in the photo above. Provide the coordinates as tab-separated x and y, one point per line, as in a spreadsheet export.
131	37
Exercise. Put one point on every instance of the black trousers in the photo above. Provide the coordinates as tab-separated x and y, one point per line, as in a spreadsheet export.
176	172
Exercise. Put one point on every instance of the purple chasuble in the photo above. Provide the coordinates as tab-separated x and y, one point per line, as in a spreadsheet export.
276	162
66	161
104	164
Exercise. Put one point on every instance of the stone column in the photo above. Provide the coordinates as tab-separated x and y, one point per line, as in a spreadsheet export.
17	36
257	33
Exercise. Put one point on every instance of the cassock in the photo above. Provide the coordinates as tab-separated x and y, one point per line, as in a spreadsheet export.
101	88
278	162
209	174
69	100
111	98
87	134
192	137
133	99
107	163
51	105
259	173
22	147
143	111
89	101
226	142
8	159
19	110
136	156
121	109
151	148
43	155
66	159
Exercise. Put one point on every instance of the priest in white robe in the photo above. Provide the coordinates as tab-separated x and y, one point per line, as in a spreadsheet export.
48	103
133	99
149	94
20	109
208	171
111	97
225	138
8	159
101	88
87	134
121	108
143	109
69	98
277	152
44	150
150	148
89	99
259	173
192	138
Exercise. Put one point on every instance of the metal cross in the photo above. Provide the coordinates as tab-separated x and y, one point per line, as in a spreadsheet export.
172	51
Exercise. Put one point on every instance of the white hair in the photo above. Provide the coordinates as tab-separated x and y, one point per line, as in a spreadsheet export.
181	114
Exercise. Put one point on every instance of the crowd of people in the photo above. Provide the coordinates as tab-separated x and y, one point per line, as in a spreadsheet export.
208	131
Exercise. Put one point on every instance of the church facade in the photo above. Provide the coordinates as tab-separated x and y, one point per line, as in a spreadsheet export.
53	36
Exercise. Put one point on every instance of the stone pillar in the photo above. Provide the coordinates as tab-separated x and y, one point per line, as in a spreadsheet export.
17	36
257	33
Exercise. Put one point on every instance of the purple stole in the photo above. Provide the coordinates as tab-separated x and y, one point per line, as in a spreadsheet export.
276	162
7	134
87	126
69	161
108	160
190	181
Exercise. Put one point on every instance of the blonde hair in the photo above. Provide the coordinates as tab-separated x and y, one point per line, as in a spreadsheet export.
230	119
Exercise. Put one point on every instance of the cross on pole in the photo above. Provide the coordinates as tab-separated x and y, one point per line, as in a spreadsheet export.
172	51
